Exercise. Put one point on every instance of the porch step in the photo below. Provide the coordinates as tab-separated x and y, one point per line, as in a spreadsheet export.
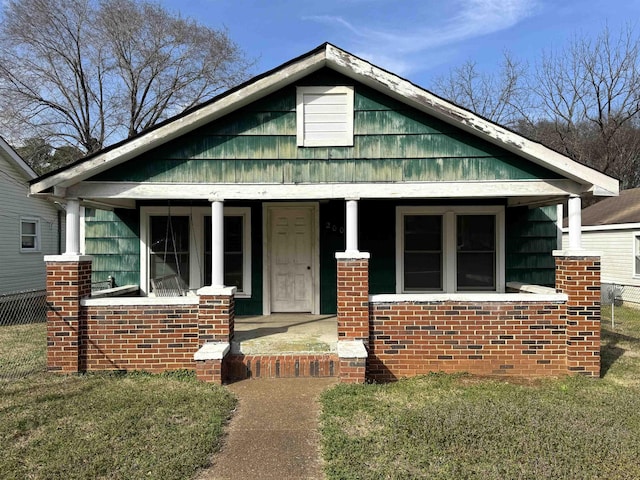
240	367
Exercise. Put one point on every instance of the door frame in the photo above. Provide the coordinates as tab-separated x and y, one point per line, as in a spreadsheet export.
267	210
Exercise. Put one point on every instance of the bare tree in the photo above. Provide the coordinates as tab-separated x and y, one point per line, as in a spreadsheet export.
88	72
590	93
499	97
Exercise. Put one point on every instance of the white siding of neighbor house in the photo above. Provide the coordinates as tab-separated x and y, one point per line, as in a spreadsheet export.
616	247
23	270
617	261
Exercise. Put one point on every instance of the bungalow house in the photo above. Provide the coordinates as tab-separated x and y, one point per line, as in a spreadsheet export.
327	186
29	227
612	227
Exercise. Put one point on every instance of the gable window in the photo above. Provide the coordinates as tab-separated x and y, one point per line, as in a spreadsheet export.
456	249
29	235
177	243
324	116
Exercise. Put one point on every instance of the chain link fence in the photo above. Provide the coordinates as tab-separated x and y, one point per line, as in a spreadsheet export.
619	303
23	334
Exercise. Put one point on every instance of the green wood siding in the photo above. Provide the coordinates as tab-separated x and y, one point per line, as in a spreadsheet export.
392	143
113	239
530	239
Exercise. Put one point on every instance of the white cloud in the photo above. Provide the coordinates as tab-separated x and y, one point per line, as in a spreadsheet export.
431	26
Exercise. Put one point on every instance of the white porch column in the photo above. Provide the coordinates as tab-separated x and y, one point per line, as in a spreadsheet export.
575	223
217	243
72	245
352	225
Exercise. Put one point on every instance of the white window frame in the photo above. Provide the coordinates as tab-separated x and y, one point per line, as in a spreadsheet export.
196	244
37	237
636	252
449	251
340	139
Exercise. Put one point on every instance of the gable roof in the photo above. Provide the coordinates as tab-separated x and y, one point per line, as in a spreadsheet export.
327	55
12	156
615	210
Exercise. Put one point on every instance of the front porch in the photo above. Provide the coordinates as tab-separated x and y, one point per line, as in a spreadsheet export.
285	333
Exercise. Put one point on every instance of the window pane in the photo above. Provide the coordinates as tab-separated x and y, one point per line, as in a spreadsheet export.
233	253
28	242
422	252
28	228
170	247
476	252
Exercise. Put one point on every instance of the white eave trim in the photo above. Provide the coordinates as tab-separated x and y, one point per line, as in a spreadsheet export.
604	228
12	155
361	71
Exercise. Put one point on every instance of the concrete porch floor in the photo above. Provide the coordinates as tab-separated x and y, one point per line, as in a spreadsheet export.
285	333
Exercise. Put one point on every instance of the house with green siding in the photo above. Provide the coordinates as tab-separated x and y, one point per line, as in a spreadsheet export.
328	186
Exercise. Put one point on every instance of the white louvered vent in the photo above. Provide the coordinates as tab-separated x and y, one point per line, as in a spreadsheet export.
325	116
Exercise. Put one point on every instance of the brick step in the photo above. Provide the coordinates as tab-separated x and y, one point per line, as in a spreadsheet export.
240	367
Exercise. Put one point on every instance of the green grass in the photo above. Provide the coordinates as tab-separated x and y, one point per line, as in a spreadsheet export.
109	426
458	426
22	349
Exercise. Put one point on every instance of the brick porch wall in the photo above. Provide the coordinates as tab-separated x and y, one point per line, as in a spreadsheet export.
413	338
153	338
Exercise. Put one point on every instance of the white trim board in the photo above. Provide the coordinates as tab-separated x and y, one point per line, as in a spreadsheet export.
604	228
314	191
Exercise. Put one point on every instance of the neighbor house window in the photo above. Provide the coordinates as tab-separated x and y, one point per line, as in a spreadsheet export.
29	235
178	243
324	116
456	249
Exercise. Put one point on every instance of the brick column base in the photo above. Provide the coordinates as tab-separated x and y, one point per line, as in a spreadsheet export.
209	371
68	281
353	361
353	296
578	276
216	314
209	362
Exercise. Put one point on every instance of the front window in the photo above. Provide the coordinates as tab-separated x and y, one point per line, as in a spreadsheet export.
177	243
233	251
169	252
29	235
456	249
476	252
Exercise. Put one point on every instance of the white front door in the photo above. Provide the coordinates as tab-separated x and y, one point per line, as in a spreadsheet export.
291	258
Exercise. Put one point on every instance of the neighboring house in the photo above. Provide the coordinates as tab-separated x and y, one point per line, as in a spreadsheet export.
29	227
329	186
612	227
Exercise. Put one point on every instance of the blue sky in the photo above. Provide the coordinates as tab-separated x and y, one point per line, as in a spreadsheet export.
417	39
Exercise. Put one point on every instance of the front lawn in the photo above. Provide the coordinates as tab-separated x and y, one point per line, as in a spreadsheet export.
458	426
110	426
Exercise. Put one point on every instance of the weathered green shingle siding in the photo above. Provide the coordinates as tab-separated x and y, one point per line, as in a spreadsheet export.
531	237
392	143
113	239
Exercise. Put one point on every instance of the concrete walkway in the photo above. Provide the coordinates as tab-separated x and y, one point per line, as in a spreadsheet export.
273	434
